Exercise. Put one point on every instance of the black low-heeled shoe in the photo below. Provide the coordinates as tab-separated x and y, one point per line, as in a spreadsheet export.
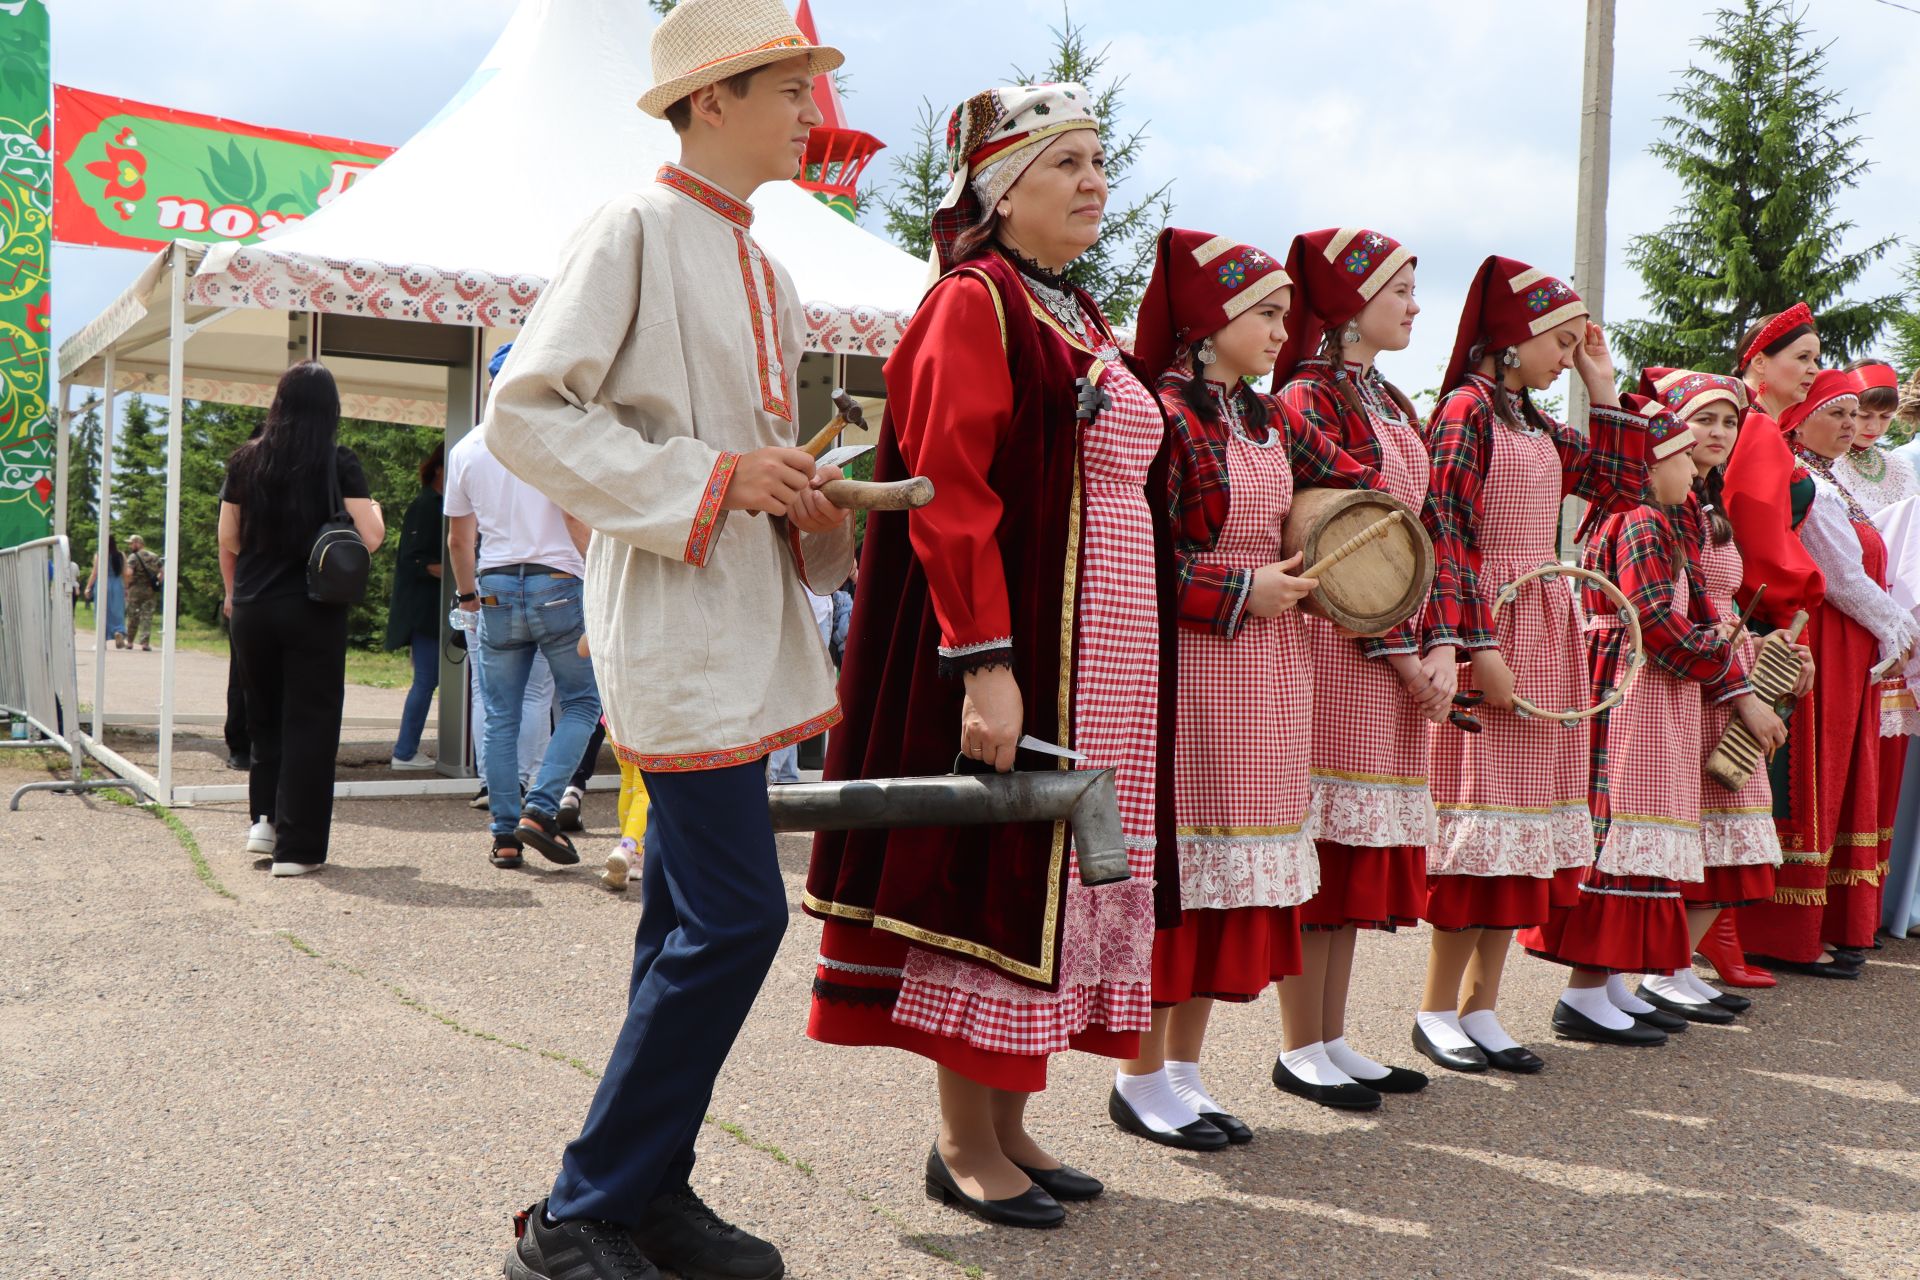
1198	1136
1470	1060
1572	1024
1852	957
1343	1097
1731	1002
1519	1060
1237	1132
1031	1208
1660	1018
1808	968
1397	1080
1705	1011
1065	1183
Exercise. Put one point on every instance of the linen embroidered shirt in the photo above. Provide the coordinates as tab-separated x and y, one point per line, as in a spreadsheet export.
663	349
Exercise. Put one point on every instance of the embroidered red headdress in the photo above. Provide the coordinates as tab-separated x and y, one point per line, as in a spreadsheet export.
1508	303
1201	282
1784	327
1336	273
1667	434
1683	392
1828	385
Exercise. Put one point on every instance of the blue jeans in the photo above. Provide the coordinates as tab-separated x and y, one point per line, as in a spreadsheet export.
712	910
536	712
426	675
543	612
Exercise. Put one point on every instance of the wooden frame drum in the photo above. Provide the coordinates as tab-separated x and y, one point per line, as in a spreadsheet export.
1371	587
1629	618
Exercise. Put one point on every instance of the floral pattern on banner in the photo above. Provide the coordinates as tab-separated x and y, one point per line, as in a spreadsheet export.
26	226
1739	839
1500	842
1225	874
1653	848
1373	815
259	277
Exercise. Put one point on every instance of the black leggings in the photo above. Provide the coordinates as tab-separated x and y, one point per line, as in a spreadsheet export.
293	658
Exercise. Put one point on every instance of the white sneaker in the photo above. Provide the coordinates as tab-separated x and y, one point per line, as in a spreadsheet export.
619	867
416	761
296	868
260	838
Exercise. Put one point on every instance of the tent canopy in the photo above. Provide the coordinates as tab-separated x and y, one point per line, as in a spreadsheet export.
463	226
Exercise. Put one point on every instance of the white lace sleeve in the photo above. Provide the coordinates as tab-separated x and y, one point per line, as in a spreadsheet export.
1830	539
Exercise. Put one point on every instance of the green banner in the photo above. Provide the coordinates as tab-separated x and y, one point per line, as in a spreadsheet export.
26	209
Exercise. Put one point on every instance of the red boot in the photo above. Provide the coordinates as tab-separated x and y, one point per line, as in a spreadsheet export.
1721	949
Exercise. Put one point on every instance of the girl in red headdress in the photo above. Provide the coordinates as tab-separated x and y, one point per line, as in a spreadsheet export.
1213	318
1373	811
1511	799
1630	916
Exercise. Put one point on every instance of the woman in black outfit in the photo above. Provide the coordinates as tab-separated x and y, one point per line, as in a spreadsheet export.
293	651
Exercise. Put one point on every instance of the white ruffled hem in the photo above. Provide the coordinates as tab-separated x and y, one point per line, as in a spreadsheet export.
1899	723
1740	839
1510	842
1225	874
1373	815
1671	851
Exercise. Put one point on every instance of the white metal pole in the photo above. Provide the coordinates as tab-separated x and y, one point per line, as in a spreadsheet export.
170	587
63	426
1590	214
102	567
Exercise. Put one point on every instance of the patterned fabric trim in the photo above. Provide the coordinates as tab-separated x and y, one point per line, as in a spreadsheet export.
1740	837
958	662
772	390
702	192
1271	867
845	966
707	521
847	993
1373	811
1854	875
727	757
1483	840
1631	893
1800	897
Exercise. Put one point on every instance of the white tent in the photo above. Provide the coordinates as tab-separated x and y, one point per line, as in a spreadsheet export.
403	282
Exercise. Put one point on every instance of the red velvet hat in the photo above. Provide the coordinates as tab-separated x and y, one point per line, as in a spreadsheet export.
1667	434
1683	392
1508	303
1828	385
1201	283
1797	316
1336	273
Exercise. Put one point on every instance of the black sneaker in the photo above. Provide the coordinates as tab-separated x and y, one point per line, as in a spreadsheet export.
576	1249
683	1235
569	815
479	800
543	833
506	853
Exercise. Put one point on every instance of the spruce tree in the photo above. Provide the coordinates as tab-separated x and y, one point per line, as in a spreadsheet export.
83	481
919	183
140	474
1905	332
1765	151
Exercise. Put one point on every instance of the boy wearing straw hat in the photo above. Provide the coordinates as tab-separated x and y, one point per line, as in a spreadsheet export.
652	395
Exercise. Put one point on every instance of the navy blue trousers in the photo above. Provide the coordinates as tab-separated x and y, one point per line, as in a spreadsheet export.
713	911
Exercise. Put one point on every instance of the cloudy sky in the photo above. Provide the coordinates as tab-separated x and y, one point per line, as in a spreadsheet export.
1452	125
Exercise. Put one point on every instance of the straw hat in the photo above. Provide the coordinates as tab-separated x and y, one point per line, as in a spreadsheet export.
703	42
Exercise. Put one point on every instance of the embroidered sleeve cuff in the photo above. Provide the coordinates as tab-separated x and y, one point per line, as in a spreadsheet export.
958	660
1732	691
711	514
1239	611
1378	647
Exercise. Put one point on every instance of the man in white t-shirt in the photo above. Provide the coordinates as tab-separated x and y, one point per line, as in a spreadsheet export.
518	561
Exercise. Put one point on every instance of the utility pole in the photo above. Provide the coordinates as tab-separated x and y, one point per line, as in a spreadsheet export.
1590	217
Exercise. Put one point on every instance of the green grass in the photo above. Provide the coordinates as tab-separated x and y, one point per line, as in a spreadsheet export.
375	669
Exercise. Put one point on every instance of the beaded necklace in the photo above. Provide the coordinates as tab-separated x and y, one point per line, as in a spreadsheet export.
1823	467
1226	400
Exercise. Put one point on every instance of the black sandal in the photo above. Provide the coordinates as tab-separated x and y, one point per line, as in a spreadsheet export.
510	858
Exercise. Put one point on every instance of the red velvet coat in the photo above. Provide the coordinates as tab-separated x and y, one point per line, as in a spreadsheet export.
987	560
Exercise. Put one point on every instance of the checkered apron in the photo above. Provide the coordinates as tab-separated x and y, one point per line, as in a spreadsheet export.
1737	827
1512	799
1240	759
1107	941
1371	745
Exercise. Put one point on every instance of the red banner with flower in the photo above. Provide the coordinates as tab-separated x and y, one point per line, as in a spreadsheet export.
130	175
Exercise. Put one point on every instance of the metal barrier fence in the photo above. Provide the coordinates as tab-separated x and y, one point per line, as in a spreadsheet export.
39	695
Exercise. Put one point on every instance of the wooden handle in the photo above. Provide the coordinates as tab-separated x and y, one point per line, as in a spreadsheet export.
819	444
1798	625
1372	533
865	495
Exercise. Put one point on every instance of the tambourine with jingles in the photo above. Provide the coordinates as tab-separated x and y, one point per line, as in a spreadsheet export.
1629	619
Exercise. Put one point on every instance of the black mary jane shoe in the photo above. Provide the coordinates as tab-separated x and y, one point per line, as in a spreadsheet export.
1470	1060
1031	1208
1571	1024
1706	1011
1236	1130
1065	1183
1341	1097
1668	1022
1731	1002
1198	1136
1398	1080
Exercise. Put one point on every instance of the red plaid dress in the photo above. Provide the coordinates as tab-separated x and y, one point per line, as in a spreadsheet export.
1512	800
1372	810
1742	845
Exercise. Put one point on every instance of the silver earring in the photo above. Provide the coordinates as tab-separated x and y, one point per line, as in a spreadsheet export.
1352	335
1511	358
1206	354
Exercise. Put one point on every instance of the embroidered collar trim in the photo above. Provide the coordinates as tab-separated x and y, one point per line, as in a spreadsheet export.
700	191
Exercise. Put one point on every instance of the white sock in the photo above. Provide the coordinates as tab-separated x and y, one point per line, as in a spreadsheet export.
1484	1026
1310	1063
1593	1002
1185	1079
1357	1065
1671	987
1154	1101
1443	1029
1624	1000
1705	990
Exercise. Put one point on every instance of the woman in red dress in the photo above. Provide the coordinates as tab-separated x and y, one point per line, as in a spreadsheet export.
1033	598
1213	318
1373	698
1512	799
1630	916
